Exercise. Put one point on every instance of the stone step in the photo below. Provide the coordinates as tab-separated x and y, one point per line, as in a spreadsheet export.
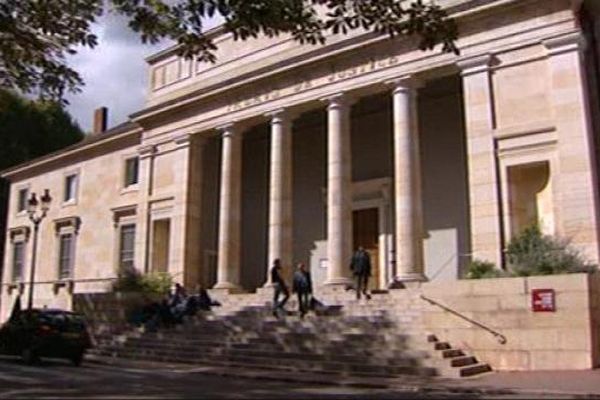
473	369
462	361
276	363
383	336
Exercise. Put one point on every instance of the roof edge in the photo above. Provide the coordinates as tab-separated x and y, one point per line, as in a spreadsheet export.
116	133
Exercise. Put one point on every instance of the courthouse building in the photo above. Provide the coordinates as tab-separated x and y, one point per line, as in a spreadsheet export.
299	152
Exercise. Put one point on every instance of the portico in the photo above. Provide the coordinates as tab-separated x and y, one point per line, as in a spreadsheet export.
300	153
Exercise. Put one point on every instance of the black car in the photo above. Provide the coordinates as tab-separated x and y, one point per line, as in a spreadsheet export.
45	333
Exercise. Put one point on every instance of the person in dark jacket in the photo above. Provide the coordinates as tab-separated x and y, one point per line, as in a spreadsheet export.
279	288
361	268
302	286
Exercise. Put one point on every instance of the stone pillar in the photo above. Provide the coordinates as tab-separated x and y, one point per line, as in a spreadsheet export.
184	260
577	200
280	192
407	182
484	198
339	191
142	225
230	210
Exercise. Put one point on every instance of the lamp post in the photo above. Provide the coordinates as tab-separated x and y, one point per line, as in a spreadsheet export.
32	205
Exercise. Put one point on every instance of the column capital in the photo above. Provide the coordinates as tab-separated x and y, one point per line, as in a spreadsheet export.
182	139
280	116
573	41
227	130
147	150
339	100
475	64
405	83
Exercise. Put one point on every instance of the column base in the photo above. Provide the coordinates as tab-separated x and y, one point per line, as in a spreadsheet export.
407	281
227	287
338	282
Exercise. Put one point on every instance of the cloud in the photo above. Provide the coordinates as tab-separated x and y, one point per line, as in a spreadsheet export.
114	72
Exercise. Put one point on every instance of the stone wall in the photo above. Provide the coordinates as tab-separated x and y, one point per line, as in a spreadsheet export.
564	339
107	313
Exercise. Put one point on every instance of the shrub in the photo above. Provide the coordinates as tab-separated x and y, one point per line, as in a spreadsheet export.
533	253
132	280
480	269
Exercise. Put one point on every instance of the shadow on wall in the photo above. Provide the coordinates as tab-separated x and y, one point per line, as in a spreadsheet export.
444	178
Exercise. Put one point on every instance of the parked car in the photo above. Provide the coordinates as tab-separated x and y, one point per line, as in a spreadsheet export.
45	333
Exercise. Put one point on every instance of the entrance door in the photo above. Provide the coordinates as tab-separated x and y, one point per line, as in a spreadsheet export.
365	226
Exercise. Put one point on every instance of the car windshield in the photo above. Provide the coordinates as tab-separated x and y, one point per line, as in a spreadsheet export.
62	320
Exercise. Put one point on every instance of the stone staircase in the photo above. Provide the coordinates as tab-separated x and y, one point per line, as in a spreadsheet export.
381	338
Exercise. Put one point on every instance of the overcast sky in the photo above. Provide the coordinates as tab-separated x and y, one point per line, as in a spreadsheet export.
114	72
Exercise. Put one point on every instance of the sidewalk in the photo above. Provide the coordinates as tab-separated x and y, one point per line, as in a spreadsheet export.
586	382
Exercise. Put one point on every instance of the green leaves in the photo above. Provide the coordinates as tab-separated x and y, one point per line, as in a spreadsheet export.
36	36
32	129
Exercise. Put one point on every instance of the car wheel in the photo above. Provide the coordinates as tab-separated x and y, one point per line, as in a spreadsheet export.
28	355
77	359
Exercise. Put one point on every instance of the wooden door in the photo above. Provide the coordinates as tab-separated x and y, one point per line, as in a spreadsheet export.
365	229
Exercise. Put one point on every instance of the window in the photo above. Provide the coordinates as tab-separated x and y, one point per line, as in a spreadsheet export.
70	187
131	171
126	248
18	261
22	199
65	255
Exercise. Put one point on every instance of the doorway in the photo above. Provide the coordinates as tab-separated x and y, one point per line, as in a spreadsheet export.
365	232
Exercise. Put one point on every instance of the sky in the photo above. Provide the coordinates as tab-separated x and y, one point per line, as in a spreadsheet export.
114	73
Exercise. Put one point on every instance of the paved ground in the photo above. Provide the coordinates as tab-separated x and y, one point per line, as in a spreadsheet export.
57	379
574	382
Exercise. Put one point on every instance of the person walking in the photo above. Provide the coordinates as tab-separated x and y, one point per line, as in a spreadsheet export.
361	268
279	288
302	286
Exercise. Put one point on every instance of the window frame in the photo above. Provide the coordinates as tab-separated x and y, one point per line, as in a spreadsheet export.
13	276
18	189
127	183
66	187
70	256
120	259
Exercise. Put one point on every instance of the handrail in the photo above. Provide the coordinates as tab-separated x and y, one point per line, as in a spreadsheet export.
500	337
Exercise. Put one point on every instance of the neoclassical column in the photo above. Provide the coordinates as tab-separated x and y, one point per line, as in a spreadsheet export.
228	265
407	182
484	198
280	192
146	154
185	260
339	191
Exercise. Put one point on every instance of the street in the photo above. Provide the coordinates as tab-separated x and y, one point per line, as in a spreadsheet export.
58	379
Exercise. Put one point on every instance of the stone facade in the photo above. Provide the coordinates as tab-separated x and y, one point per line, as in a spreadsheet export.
274	151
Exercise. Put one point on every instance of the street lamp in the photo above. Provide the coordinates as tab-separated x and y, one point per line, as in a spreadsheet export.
32	205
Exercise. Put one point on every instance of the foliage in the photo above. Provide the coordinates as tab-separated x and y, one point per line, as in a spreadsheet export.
30	129
131	280
36	36
533	253
479	269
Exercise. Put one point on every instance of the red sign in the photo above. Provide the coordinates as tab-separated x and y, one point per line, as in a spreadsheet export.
543	300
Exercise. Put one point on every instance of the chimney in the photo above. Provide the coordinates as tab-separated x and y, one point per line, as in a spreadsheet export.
100	120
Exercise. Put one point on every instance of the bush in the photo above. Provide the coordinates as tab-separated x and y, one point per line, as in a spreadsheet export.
479	269
131	280
533	253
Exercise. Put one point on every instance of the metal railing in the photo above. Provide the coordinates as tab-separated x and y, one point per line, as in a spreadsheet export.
499	337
